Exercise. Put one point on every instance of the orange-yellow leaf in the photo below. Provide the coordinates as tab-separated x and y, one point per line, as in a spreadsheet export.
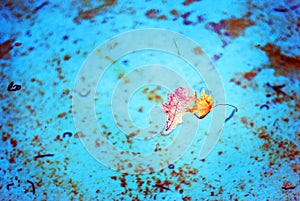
202	105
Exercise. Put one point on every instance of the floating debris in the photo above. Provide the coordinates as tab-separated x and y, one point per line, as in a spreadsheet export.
171	166
287	186
9	185
40	7
69	134
43	156
32	185
13	87
264	106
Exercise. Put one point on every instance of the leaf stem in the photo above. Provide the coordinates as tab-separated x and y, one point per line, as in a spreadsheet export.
165	134
236	109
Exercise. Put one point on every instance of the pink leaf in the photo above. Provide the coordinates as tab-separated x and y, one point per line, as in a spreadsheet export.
177	106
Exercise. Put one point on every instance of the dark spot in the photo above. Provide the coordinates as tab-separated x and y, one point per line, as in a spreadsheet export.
44	155
32	185
125	62
13	87
264	105
171	166
69	134
65	37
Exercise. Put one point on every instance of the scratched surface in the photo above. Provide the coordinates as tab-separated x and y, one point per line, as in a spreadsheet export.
255	48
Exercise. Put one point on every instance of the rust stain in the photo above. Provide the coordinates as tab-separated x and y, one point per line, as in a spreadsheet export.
152	95
154	14
234	27
295	167
175	13
282	64
91	13
5	48
245	79
250	75
198	50
188	2
61	114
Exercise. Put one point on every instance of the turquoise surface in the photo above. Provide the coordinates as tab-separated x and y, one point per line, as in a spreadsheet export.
62	59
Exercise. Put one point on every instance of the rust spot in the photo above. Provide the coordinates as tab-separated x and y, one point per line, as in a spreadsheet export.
152	95
244	120
5	47
114	177
245	79
13	142
18	44
5	136
175	13
198	50
188	2
62	115
249	75
295	167
58	138
123	182
134	133
11	159
67	57
154	14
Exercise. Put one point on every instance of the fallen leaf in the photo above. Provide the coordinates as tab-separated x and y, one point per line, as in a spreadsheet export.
202	105
177	106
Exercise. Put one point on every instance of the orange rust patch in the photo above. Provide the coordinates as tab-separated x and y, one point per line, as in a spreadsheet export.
295	167
282	64
198	50
152	95
91	13
175	13
62	115
67	57
188	2
11	159
249	75
244	120
13	142
134	133
154	14
234	27
5	47
244	79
